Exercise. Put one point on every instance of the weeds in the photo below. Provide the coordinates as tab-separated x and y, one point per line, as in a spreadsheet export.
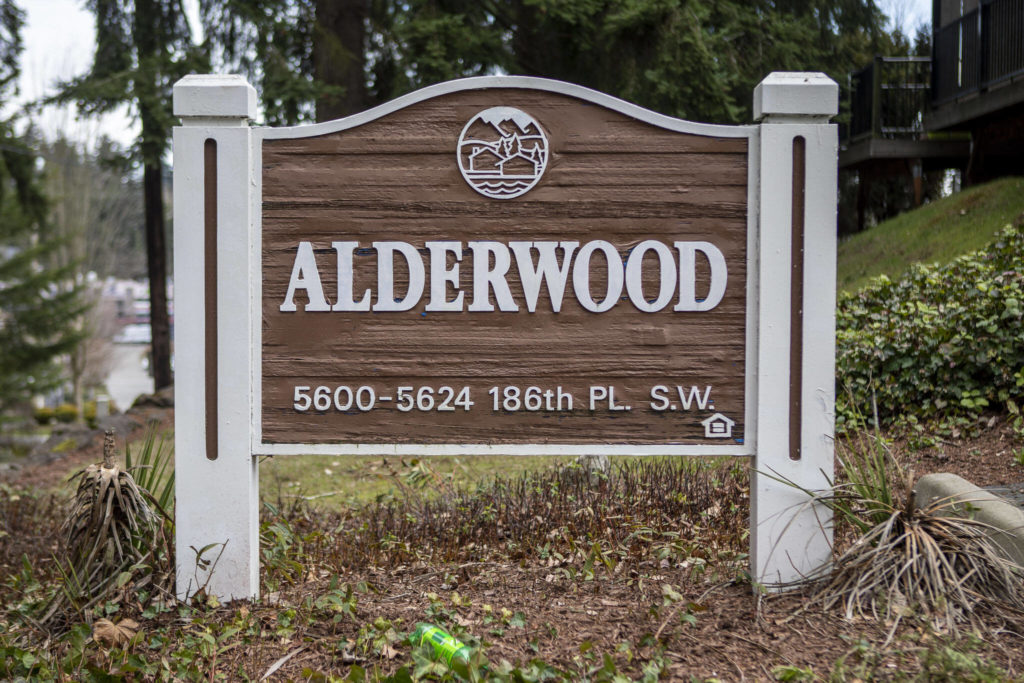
528	572
27	526
113	547
647	504
939	660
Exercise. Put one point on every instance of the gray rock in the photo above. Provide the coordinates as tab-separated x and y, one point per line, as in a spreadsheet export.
974	502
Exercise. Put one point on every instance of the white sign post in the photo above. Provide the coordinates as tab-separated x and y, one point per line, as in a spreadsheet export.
216	475
218	286
796	334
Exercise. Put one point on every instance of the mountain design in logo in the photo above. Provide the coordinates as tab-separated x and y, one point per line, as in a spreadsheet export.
502	152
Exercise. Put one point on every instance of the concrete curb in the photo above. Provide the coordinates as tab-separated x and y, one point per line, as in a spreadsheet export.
1006	519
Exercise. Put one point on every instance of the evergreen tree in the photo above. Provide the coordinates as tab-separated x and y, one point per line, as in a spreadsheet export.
697	59
271	43
142	48
339	56
421	42
39	303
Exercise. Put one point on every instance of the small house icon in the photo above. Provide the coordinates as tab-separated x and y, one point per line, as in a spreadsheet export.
717	426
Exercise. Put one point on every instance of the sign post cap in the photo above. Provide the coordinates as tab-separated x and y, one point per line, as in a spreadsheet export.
787	94
214	96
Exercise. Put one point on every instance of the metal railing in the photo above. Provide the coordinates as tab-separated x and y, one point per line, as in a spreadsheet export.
978	50
888	98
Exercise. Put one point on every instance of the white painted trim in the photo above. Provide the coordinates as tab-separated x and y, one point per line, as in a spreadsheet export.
513	82
256	303
791	536
217	501
499	449
750	419
796	97
214	100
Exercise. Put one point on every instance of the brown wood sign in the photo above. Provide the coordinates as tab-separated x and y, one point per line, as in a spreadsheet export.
502	265
505	267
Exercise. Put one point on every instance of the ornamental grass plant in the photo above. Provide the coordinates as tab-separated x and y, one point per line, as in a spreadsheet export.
899	560
116	535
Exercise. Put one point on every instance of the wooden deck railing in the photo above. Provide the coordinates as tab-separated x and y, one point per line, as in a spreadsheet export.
978	50
888	98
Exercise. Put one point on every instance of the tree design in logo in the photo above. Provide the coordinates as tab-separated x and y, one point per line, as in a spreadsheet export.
502	152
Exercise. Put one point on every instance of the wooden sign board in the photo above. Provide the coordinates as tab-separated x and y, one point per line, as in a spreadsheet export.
502	265
630	326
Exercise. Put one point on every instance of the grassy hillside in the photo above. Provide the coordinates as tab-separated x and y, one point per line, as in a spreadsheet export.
937	232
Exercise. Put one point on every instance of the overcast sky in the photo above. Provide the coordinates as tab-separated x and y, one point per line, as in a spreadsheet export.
58	38
59	41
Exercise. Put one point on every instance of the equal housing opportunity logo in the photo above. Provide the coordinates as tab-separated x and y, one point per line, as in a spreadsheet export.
502	152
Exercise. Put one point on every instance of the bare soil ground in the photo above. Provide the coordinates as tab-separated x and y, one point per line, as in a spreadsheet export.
988	459
571	625
690	612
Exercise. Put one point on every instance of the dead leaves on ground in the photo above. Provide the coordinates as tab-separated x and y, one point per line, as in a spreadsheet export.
111	635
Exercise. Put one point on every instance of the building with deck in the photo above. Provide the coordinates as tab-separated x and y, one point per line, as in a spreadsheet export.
962	107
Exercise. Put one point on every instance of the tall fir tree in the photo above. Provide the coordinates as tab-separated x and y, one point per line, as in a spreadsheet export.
697	59
271	43
142	48
323	59
39	303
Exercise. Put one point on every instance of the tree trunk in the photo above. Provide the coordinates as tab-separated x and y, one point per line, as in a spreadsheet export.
156	259
75	365
338	57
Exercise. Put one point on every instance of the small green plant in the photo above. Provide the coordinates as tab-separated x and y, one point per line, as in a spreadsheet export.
66	445
1017	422
1018	457
43	416
150	463
280	546
962	663
339	600
919	437
791	672
66	413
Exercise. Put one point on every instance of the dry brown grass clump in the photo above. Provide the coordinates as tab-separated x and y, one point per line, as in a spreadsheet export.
907	561
111	539
695	506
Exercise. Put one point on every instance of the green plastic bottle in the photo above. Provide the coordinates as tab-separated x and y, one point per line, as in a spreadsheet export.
447	648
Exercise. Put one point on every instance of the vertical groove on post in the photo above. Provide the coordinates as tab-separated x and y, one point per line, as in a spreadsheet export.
796	299
210	275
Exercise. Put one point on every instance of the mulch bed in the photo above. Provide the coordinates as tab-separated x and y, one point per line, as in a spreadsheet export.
987	459
720	630
571	624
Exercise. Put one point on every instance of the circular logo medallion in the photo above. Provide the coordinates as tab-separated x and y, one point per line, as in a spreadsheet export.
502	152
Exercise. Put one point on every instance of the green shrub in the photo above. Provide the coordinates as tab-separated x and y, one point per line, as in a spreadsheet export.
939	343
89	414
65	446
44	415
66	413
